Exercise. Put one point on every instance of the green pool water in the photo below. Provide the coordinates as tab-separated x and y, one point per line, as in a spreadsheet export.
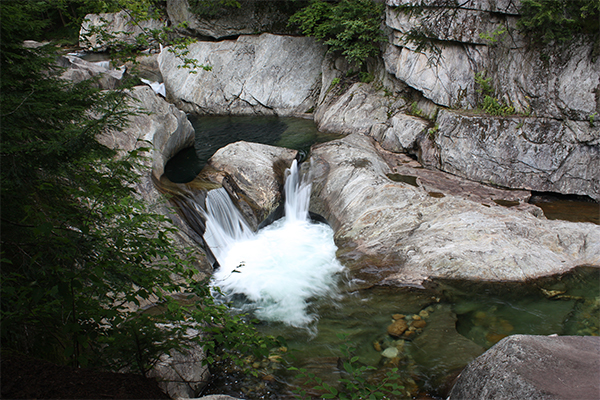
460	319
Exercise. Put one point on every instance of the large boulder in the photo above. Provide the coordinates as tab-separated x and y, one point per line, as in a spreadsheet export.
78	70
221	22
392	232
253	175
118	28
266	74
533	367
538	154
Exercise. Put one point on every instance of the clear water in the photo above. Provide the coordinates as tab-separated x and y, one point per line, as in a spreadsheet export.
214	132
271	274
463	319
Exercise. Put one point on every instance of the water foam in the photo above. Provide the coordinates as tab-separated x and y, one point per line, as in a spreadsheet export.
279	269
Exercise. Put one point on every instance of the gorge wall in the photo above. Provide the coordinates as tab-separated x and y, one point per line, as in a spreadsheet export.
427	102
431	111
549	143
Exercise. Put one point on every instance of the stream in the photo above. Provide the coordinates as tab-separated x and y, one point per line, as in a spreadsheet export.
303	294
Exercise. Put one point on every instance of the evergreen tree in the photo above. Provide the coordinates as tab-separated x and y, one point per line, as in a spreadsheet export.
79	250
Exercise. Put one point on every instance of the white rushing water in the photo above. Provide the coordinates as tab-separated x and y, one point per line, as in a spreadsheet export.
280	268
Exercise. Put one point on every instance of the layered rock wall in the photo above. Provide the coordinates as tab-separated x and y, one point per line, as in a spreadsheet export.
263	75
549	142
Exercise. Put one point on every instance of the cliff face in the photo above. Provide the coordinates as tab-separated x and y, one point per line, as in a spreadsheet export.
549	141
472	96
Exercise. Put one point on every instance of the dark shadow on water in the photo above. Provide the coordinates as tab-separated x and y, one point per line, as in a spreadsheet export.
215	132
567	207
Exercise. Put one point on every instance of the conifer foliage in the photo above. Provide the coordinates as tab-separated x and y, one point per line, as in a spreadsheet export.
79	250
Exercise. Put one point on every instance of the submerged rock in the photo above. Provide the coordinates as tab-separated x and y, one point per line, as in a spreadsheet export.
394	233
397	328
534	367
431	348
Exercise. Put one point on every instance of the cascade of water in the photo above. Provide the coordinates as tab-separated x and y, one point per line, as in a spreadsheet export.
103	64
279	268
224	223
297	194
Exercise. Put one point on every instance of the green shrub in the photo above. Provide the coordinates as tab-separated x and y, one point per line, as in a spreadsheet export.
351	27
80	251
495	107
559	20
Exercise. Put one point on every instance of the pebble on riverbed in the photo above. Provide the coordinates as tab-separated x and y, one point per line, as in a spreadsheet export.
390	352
397	328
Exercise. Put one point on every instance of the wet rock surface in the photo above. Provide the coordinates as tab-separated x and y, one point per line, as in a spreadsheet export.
534	367
411	236
253	175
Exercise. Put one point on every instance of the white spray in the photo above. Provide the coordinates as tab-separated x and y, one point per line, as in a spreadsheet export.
279	268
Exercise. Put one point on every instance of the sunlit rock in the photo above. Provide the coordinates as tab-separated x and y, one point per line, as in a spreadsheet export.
261	75
411	236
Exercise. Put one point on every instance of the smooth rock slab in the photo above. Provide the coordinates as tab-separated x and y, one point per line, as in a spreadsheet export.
394	233
356	110
158	124
528	153
533	367
263	75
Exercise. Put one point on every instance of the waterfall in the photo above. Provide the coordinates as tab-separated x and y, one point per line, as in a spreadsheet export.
280	269
103	64
224	223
